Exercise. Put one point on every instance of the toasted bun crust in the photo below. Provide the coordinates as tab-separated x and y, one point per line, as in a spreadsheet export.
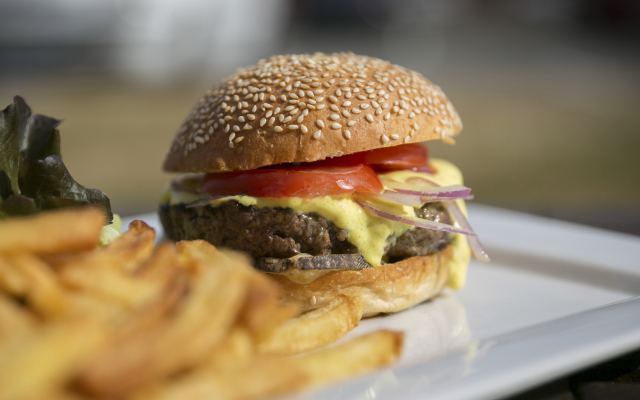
386	289
301	108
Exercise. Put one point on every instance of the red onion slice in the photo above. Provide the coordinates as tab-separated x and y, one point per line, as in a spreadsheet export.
393	197
413	221
476	247
443	192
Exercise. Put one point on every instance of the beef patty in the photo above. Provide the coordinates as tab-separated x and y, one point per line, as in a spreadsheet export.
283	233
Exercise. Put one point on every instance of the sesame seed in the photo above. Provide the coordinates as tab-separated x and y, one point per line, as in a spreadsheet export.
346	103
412	114
240	139
211	130
395	109
356	110
226	129
233	134
334	117
334	107
199	139
320	106
272	98
347	134
320	99
375	104
318	91
303	129
289	108
364	106
346	113
400	112
263	121
406	139
293	127
384	138
289	118
351	123
369	117
300	119
320	123
386	116
335	125
236	128
362	97
251	117
278	129
283	98
415	126
395	137
378	111
241	118
272	120
317	134
231	144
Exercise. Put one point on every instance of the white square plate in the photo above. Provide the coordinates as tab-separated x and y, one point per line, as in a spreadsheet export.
556	298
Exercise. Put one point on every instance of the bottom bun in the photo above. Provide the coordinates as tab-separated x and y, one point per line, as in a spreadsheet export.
385	289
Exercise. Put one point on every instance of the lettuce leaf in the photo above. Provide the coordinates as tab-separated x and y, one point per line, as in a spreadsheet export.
32	174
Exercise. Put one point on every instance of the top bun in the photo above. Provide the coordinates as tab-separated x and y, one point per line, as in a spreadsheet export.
302	108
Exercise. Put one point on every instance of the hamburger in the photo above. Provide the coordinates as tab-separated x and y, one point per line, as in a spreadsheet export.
312	164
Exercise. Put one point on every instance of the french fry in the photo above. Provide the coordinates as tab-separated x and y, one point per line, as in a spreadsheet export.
132	248
314	329
162	266
204	318
262	377
11	280
262	310
185	320
355	357
233	372
59	231
14	319
44	292
110	283
35	364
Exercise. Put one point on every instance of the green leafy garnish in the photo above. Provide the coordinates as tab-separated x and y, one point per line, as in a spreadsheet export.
32	174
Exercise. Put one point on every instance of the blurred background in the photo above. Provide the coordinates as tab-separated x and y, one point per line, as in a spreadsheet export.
548	90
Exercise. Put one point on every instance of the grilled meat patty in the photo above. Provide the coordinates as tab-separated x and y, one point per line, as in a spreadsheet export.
283	233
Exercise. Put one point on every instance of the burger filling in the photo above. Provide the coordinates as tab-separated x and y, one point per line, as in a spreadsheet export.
383	211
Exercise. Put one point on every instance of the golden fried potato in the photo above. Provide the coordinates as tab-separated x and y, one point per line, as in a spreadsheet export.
37	363
204	318
66	230
355	357
314	329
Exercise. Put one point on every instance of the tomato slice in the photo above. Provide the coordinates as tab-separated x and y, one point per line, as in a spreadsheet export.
404	156
298	181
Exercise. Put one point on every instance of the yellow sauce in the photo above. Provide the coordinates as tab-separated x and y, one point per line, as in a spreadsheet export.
367	232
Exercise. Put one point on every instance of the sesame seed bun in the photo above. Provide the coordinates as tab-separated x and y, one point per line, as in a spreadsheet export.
302	108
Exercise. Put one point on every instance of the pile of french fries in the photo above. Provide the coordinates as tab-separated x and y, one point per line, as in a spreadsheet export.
179	321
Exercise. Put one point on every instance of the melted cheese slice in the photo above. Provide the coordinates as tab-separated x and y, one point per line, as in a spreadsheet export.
369	233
